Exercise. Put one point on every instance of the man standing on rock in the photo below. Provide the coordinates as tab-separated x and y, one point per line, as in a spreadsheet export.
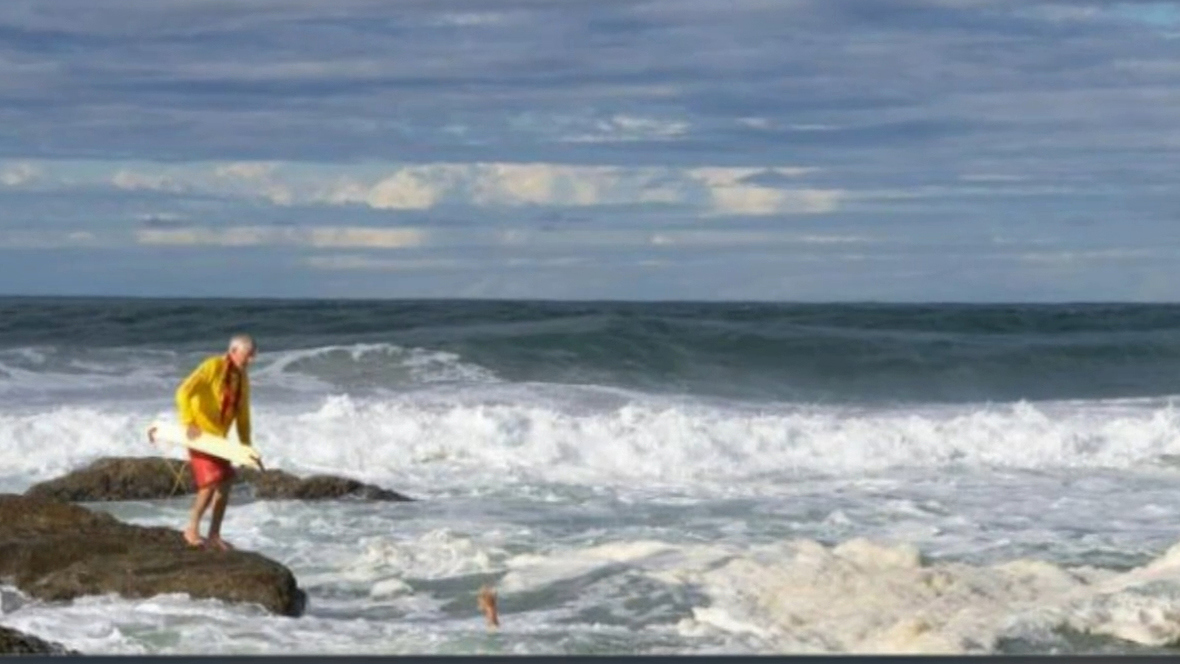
211	399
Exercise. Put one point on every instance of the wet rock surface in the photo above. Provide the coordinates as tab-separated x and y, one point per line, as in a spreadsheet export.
278	485
150	478
13	642
54	550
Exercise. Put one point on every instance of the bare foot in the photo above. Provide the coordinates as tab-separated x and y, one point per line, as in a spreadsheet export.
194	540
220	544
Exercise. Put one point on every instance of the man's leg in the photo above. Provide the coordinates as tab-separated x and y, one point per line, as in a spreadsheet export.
192	534
220	500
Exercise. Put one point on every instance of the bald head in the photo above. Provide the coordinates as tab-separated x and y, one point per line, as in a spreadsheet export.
241	349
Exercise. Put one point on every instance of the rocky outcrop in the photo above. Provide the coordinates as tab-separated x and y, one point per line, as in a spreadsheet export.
53	550
148	478
278	485
13	642
119	479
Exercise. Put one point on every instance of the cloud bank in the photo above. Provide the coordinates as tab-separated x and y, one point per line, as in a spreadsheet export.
631	148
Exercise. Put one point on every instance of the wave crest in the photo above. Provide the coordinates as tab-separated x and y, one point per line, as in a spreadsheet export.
496	435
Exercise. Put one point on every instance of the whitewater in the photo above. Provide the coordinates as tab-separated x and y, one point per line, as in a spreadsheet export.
633	509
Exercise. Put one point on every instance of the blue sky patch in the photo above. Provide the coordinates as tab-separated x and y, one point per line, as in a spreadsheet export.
656	149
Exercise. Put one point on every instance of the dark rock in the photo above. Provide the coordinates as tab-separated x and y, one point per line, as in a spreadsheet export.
119	479
278	485
148	478
13	642
53	550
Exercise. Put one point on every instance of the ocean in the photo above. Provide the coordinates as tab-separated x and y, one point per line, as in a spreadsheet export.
643	478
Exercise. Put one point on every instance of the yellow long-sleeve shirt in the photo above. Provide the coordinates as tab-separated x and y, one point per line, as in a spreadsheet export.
198	399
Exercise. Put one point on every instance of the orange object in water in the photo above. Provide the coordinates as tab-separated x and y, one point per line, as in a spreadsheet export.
487	604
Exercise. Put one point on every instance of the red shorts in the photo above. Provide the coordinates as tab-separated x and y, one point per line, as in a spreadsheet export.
208	470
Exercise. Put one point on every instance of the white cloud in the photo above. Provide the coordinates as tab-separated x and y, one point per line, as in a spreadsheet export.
278	194
756	123
233	180
814	127
542	184
728	190
745	191
242	236
132	181
159	217
353	262
467	19
343	191
23	239
514	184
669	195
248	236
422	187
730	194
833	239
245	170
752	238
253	179
754	200
404	190
575	237
378	238
650	126
1085	256
638	238
15	175
720	176
743	199
630	128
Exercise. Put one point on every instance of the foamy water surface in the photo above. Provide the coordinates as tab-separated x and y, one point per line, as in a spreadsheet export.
618	520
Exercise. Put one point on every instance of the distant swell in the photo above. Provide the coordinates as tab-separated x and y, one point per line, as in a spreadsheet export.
765	352
370	365
80	375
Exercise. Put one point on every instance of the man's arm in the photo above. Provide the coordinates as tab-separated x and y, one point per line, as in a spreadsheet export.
244	412
201	375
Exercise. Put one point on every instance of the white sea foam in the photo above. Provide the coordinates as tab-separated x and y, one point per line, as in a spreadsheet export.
178	624
396	578
39	371
508	434
538	438
864	597
791	596
799	596
41	444
436	554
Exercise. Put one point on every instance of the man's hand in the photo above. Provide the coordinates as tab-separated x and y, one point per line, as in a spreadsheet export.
193	431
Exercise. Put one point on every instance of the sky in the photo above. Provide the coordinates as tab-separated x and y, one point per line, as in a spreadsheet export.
777	150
